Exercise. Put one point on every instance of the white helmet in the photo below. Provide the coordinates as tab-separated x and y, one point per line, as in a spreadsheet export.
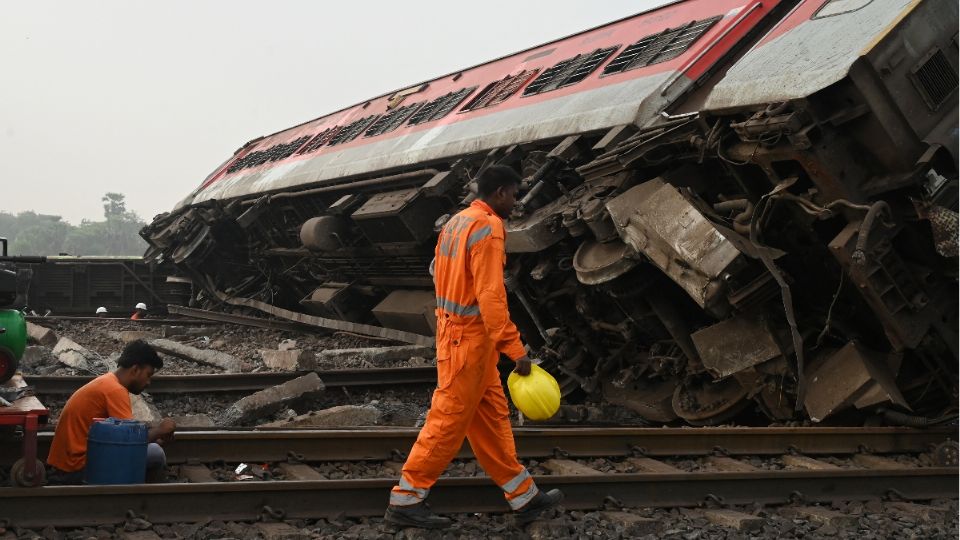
142	306
101	309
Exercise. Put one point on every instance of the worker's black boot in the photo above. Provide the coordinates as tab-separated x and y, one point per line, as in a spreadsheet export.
540	503
415	515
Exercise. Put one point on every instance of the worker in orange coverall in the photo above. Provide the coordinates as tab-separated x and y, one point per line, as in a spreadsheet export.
473	328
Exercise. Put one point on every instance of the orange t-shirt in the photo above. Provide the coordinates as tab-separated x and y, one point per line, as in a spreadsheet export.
102	397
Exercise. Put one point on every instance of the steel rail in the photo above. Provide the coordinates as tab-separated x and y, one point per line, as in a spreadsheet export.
384	444
97	505
83	318
247	382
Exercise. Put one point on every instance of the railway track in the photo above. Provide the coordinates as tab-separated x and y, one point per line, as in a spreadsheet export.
871	477
248	382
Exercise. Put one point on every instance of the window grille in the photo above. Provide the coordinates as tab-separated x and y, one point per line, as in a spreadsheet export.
568	72
319	140
392	120
351	131
498	91
440	107
274	153
660	47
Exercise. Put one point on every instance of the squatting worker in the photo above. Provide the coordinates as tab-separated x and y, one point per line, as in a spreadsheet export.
473	328
108	395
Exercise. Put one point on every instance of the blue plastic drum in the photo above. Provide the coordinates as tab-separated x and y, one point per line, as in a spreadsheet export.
116	452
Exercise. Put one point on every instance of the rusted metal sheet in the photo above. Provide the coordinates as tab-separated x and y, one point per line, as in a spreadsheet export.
846	376
655	220
735	344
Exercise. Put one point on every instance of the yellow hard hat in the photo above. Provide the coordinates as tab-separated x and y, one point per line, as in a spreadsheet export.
537	395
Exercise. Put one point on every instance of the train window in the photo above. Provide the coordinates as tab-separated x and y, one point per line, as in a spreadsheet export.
498	91
392	120
440	107
274	153
319	140
660	47
569	71
351	131
839	7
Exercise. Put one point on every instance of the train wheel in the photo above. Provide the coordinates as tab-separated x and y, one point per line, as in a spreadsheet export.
649	398
704	402
20	476
8	364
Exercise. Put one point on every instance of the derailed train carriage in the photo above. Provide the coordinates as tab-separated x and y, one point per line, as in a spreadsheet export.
727	204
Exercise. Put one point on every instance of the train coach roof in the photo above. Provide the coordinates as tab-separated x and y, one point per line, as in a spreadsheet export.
598	100
810	49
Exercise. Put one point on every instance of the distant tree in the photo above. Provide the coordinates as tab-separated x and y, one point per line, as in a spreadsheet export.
30	233
44	237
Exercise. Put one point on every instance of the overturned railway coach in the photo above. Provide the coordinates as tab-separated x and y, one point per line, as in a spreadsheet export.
727	204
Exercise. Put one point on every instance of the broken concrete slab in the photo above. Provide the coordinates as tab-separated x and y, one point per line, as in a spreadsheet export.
289	359
375	355
633	525
733	519
193	420
568	467
33	355
143	410
41	334
339	416
71	354
271	400
222	360
287	345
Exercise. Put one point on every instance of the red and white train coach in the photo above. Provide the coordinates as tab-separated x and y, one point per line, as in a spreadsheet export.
729	207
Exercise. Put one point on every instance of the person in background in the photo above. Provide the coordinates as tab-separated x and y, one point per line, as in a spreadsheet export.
139	312
102	312
108	396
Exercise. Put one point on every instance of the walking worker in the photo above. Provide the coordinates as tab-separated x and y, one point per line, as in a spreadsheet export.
139	312
108	396
473	328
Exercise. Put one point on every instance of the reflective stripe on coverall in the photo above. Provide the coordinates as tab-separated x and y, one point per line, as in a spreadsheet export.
473	328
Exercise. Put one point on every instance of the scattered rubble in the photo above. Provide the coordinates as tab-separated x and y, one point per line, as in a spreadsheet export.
266	402
41	335
69	353
143	410
217	359
880	521
374	356
339	416
288	359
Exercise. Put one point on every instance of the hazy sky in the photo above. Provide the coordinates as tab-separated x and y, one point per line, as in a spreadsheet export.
147	98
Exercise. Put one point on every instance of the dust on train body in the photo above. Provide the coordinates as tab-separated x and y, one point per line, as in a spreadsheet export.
727	205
